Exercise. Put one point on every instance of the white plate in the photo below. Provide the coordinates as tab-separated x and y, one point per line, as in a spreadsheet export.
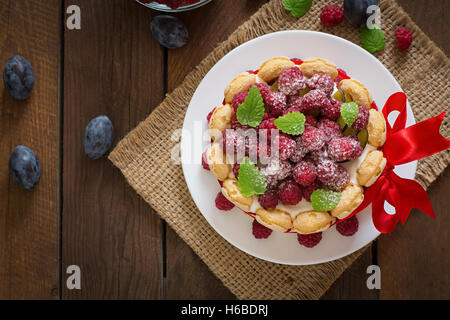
235	226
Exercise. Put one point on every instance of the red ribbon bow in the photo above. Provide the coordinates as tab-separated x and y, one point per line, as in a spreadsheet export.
402	145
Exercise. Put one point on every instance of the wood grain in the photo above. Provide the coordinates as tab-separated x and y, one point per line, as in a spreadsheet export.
207	26
29	219
112	66
414	260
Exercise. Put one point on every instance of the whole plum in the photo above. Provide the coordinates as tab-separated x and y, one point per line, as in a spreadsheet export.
24	167
18	77
98	137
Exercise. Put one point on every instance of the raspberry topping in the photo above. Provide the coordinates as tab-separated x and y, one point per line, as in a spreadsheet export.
362	120
348	227
344	148
232	142
222	203
300	151
291	109
264	89
276	171
326	171
296	103
290	193
291	81
239	99
205	164
305	173
321	82
259	231
404	37
309	240
285	146
318	155
277	103
269	199
310	121
331	15
307	191
313	138
268	125
341	181
332	110
330	128
315	99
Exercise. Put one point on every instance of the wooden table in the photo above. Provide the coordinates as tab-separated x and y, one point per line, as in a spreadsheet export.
84	213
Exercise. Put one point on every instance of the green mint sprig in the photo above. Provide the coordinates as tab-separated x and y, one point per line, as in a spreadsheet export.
291	123
297	8
251	111
250	180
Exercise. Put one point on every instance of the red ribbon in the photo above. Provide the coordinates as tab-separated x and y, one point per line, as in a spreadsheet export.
402	145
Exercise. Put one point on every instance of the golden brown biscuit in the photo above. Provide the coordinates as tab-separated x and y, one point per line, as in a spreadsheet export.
311	67
376	128
351	198
230	190
272	68
357	91
220	120
312	222
371	168
239	84
276	219
218	162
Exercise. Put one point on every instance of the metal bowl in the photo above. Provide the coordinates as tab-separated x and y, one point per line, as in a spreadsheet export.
162	7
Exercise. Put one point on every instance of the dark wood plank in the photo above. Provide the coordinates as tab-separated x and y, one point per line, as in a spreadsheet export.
112	66
414	259
29	219
187	277
352	283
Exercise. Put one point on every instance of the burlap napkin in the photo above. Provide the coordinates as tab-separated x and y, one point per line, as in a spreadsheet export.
144	155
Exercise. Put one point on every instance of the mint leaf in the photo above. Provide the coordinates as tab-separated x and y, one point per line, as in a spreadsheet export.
250	180
373	40
325	200
251	112
297	8
349	112
291	123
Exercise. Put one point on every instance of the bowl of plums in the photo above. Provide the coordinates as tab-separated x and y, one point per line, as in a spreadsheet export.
173	5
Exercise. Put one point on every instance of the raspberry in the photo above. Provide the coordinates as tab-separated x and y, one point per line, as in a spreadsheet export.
236	170
268	125
300	151
296	103
308	191
313	138
341	181
264	89
291	81
277	103
331	15
326	171
309	240
348	227
285	146
239	99
332	110
310	121
205	164
357	147
208	117
231	142
404	37
330	128
362	120
259	231
321	82
318	155
344	148
222	203
291	109
266	116
305	173
290	193
315	99
276	171
269	199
